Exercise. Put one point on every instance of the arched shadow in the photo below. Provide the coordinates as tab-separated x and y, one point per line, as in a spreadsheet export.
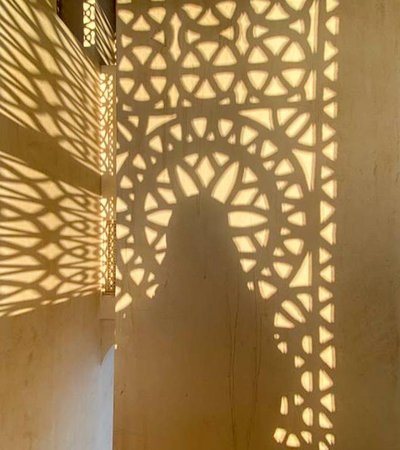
234	102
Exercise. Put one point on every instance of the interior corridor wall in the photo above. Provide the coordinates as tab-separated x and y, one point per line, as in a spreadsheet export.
55	386
258	223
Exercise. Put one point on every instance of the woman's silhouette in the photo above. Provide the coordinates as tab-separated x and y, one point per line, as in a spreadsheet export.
209	373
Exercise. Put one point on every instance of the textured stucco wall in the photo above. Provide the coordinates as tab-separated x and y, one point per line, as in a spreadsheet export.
368	226
55	387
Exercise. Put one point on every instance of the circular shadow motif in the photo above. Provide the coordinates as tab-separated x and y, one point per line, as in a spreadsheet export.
238	165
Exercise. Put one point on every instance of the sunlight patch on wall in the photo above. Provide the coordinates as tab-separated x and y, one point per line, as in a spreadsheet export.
98	32
238	103
49	162
49	232
89	23
107	168
46	82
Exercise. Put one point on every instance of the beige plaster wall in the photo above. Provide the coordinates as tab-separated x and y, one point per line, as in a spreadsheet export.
368	227
55	386
204	358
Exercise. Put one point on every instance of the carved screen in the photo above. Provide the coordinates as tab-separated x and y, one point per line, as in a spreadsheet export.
235	101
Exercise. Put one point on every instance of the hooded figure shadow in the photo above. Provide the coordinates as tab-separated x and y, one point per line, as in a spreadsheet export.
212	376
